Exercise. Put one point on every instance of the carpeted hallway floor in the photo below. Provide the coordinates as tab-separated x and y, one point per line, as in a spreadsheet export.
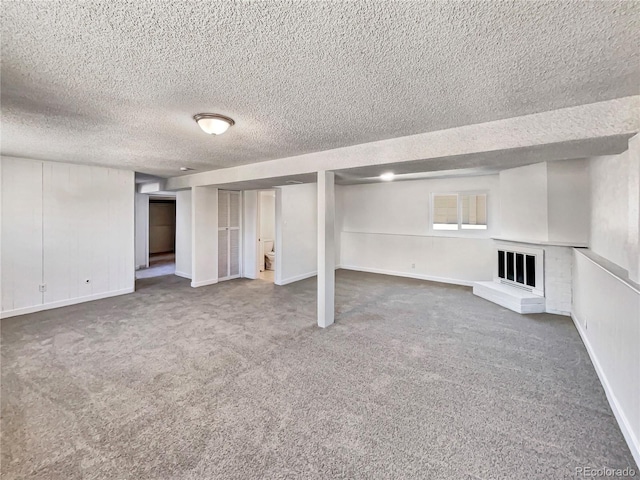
235	381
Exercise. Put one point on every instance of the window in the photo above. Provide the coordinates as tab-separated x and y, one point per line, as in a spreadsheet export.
460	211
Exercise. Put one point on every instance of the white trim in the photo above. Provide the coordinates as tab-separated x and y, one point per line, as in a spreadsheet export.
430	278
624	281
203	283
297	278
231	277
623	423
182	274
64	303
446	228
542	242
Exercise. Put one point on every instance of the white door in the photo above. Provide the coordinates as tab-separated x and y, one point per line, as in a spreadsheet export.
229	208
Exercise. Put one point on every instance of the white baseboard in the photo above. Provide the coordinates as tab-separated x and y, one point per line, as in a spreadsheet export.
64	303
625	427
182	274
203	283
454	281
297	278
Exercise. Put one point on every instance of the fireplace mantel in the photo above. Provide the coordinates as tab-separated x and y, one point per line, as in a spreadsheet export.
541	242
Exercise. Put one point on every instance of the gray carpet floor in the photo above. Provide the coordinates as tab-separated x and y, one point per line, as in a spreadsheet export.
234	381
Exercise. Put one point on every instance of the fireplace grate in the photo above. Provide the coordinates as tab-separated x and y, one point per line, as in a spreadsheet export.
517	267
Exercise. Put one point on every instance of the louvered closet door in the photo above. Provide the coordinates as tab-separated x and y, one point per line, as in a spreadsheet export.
229	235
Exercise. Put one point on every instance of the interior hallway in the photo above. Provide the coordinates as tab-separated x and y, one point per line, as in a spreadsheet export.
159	264
235	381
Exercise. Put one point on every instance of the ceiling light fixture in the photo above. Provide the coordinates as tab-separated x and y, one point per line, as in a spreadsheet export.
185	169
213	123
387	177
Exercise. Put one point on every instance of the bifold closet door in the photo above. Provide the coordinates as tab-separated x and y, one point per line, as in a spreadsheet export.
229	235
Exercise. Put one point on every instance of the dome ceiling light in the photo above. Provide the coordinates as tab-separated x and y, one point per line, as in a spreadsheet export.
213	123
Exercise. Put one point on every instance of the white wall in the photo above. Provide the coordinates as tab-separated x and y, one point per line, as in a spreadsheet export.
142	230
606	312
183	233
69	227
523	203
22	244
267	215
609	207
386	228
606	301
204	236
338	225
633	237
296	239
546	202
568	201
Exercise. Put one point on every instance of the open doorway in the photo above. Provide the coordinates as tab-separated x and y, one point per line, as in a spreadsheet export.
162	238
267	235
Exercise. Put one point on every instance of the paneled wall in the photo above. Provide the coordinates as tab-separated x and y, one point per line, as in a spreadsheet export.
67	234
606	311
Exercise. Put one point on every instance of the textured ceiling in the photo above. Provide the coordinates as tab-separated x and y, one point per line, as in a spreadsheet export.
116	83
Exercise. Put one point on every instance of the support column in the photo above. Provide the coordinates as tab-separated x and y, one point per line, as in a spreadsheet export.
326	248
204	236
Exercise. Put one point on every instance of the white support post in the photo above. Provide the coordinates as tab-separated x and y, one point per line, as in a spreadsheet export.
204	236
326	248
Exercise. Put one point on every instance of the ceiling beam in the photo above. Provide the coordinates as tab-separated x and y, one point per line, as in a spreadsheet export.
596	120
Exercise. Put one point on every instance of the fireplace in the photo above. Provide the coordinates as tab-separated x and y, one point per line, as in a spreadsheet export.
520	267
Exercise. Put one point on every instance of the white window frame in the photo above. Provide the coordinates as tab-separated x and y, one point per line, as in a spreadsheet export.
458	226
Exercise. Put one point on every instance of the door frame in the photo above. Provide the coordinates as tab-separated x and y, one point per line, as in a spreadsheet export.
258	239
240	236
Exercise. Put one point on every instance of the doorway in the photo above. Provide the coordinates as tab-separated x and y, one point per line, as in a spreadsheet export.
162	238
229	235
266	235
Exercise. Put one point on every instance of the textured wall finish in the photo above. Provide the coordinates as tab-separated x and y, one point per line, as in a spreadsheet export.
116	83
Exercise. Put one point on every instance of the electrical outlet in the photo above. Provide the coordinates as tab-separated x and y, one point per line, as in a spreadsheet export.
413	265
43	287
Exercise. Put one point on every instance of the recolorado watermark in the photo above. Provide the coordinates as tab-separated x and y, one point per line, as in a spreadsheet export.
605	472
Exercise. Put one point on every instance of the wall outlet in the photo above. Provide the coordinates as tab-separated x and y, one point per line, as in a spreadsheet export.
413	265
42	287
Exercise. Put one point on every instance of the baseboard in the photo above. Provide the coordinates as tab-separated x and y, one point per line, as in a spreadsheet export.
203	283
182	274
625	427
297	278
64	303
453	281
